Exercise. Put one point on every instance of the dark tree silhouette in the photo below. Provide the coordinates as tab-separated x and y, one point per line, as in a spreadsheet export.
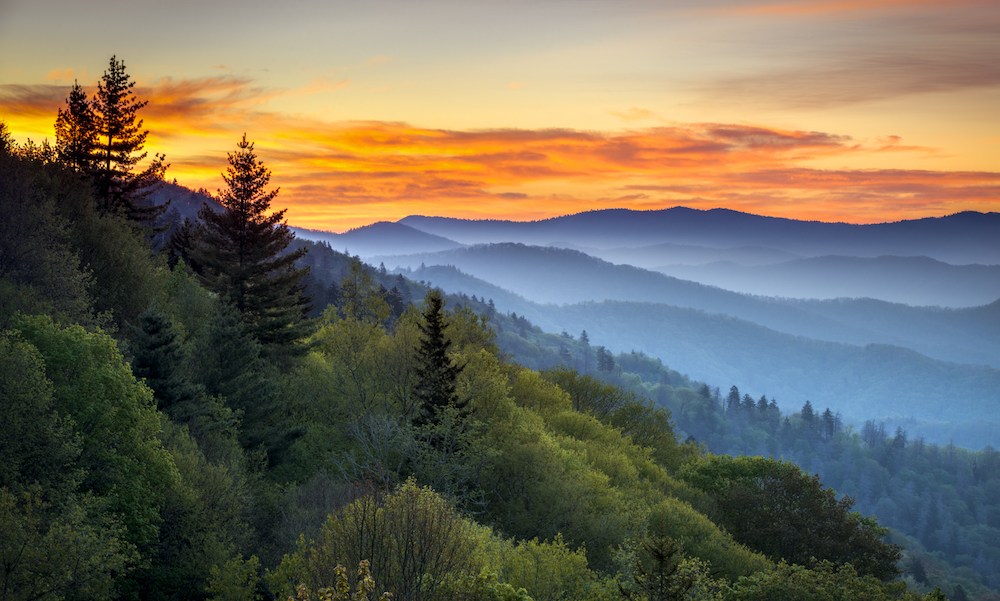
241	254
76	135
436	373
119	140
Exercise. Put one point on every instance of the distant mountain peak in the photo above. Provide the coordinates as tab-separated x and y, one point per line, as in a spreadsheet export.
381	238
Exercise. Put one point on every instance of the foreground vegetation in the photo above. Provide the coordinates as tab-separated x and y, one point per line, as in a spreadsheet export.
175	429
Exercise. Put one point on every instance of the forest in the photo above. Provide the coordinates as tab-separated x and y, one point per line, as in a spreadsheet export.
208	408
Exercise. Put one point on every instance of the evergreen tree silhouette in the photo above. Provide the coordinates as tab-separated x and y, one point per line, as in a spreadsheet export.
240	253
436	373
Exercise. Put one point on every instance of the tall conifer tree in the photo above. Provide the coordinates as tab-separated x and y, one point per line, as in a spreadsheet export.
118	148
241	254
436	373
76	135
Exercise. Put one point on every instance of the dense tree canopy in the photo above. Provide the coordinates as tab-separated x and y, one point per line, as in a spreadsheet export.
773	507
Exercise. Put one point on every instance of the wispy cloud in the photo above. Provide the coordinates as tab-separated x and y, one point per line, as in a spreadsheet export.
338	175
808	8
845	52
38	99
863	76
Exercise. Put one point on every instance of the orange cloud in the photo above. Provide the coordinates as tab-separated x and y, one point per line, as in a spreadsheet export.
341	175
828	7
60	75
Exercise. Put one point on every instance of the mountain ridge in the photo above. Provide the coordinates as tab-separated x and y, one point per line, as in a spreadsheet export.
965	237
380	238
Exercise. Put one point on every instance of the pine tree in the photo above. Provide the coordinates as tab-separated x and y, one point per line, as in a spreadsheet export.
658	569
241	252
436	374
733	401
159	359
230	366
180	245
118	149
76	135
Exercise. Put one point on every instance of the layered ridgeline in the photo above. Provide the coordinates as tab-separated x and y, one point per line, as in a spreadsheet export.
931	367
964	238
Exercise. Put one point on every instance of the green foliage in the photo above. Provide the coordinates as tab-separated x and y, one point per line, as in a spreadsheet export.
159	359
544	396
550	570
40	269
204	521
775	508
435	388
126	280
941	497
649	426
342	589
162	360
700	537
57	540
361	298
590	394
483	587
413	538
50	552
121	454
824	582
236	580
38	446
661	573
351	348
229	364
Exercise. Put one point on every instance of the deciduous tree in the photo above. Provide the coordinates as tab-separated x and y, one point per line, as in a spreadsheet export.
774	508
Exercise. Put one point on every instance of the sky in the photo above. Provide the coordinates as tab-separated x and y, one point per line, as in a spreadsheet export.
836	110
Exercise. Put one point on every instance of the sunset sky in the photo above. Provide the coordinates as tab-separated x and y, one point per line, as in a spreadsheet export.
848	110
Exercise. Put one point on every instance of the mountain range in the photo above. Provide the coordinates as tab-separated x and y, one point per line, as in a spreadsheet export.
896	321
962	238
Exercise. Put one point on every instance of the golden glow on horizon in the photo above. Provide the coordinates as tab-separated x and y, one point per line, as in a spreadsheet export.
340	175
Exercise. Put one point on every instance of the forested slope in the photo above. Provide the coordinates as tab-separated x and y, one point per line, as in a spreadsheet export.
182	433
938	499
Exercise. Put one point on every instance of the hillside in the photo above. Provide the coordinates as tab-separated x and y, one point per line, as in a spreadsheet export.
891	472
940	400
551	275
668	254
